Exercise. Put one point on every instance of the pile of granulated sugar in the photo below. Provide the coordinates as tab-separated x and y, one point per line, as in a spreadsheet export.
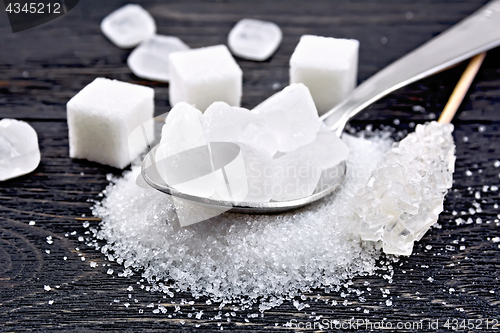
238	258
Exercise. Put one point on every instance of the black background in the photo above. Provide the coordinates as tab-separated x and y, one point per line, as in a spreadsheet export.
43	67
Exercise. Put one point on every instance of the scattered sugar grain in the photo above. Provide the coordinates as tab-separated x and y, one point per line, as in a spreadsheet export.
32	223
239	258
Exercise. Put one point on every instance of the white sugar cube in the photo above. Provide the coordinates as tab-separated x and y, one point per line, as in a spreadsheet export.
150	59
292	117
104	119
327	66
203	76
128	26
19	152
254	39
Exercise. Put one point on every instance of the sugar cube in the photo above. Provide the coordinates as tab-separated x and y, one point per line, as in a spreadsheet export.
203	76
327	66
128	26
292	117
103	119
254	39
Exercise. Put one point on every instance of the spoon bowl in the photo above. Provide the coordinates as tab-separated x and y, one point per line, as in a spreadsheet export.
330	180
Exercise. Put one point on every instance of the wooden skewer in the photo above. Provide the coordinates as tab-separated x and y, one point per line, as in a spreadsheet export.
461	89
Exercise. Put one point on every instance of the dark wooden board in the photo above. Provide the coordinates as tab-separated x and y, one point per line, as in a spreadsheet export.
42	68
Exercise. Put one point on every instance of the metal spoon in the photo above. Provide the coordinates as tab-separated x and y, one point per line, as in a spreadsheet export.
477	33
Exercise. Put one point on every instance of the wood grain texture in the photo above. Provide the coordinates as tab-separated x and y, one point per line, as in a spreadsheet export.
42	68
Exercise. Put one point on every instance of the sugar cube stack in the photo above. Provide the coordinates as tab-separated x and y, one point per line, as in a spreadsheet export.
203	76
109	122
327	66
128	26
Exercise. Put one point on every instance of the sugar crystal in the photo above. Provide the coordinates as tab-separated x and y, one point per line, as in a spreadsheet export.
405	193
128	26
150	59
254	39
19	152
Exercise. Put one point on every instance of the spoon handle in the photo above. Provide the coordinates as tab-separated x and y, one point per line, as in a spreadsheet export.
477	33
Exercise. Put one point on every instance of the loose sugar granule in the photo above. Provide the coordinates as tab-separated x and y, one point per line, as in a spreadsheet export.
239	257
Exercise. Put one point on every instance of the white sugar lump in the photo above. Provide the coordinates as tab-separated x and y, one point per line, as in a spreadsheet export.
327	66
186	162
150	59
227	123
19	152
259	170
203	76
405	193
254	39
297	173
292	117
294	177
109	122
177	158
128	26
239	257
183	130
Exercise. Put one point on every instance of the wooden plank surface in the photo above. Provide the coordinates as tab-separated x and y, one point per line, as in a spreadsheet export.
42	68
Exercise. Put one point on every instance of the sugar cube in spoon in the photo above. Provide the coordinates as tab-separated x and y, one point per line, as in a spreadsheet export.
292	116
